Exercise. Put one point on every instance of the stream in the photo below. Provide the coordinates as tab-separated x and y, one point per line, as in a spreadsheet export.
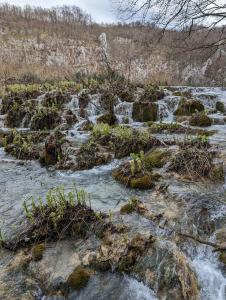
19	180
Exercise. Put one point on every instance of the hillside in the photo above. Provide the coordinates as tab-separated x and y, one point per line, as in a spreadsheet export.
62	42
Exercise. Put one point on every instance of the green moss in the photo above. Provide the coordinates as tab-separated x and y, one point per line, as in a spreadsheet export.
220	106
156	159
37	252
188	107
170	127
144	112
200	119
143	183
78	279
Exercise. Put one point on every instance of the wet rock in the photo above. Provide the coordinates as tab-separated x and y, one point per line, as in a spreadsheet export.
144	112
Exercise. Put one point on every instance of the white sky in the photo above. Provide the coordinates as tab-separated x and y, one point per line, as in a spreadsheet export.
100	10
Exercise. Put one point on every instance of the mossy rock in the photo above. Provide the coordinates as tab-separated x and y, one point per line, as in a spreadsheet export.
145	112
220	106
188	107
37	252
78	279
201	120
109	119
145	182
156	159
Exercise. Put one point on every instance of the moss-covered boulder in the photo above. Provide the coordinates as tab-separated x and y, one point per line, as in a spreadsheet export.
188	107
109	119
144	112
220	106
156	159
78	279
37	252
201	120
136	179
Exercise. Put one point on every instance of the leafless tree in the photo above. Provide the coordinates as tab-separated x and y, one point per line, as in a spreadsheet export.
185	16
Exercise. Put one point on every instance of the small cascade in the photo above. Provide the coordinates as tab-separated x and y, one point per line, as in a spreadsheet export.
94	108
124	112
210	276
166	108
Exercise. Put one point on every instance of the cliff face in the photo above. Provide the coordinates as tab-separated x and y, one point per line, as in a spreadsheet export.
47	55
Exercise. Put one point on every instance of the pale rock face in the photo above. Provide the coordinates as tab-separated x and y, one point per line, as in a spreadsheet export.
103	41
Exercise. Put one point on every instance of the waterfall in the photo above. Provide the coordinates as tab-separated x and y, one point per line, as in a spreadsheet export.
166	108
124	110
208	270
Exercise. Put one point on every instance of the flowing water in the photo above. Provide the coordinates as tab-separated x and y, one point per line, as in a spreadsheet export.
20	180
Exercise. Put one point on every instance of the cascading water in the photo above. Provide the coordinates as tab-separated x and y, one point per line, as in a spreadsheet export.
124	111
18	181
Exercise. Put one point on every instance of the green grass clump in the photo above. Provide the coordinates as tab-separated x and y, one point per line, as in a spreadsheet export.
122	132
101	129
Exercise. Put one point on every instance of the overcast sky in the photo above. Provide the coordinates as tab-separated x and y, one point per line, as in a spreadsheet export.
100	10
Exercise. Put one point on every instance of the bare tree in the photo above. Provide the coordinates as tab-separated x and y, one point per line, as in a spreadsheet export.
186	16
